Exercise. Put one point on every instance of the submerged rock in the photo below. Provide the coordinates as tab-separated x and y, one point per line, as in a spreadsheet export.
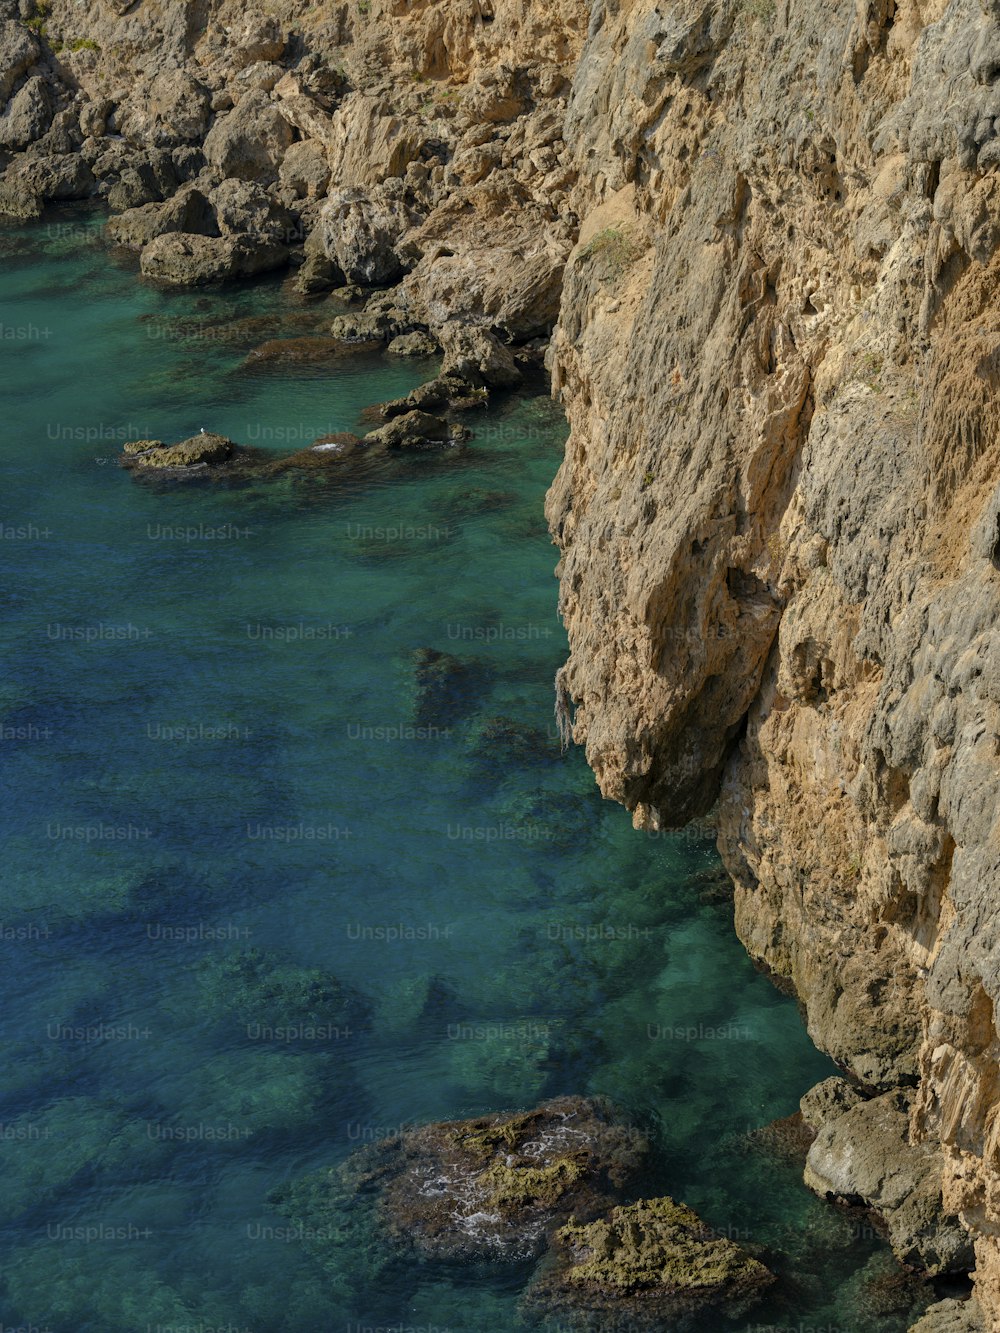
502	743
494	1187
277	353
651	1261
304	1004
788	1138
444	686
330	451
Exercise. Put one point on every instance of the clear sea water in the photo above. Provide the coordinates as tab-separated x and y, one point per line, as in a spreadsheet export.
201	690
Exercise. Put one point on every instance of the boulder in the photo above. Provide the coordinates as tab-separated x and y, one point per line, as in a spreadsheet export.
304	171
134	188
28	115
487	256
245	207
18	52
260	39
828	1100
413	430
198	451
189	211
413	344
477	355
63	136
251	141
864	1156
446	391
952	1317
645	1265
308	113
262	74
183	260
364	326
175	109
496	94
56	176
18	200
317	275
94	117
501	1182
361	231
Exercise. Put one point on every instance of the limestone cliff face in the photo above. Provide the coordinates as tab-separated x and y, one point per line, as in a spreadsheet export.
779	510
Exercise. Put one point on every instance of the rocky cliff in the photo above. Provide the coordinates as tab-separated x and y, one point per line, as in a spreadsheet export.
779	517
767	236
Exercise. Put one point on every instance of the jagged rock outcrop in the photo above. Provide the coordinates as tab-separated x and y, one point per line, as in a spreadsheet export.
424	145
864	1156
778	510
644	1264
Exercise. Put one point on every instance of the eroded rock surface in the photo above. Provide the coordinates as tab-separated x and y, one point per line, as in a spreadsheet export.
865	1156
778	510
494	1187
650	1261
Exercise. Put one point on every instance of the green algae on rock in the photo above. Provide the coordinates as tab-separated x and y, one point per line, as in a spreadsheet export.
648	1261
492	1188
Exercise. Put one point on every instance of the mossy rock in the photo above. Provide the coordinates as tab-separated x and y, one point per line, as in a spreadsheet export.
74	1140
644	1263
502	1183
254	1095
60	1287
410	1002
338	1227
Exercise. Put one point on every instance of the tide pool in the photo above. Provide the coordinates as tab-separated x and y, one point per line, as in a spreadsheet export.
278	881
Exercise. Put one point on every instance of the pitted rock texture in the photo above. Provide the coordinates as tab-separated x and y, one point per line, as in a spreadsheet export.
395	141
864	1156
779	509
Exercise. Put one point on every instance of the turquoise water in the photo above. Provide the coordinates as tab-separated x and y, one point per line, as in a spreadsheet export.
213	745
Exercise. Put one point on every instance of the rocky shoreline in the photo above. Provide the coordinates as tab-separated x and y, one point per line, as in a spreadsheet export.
756	245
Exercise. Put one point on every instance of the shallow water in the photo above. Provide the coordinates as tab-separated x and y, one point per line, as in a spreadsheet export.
204	712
